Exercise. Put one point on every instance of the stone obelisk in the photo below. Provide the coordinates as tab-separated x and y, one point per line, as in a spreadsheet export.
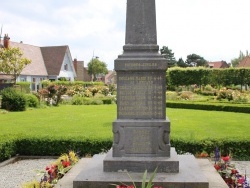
141	131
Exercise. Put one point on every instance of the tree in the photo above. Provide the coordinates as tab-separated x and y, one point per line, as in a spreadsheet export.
194	60
181	63
95	67
169	55
235	62
12	62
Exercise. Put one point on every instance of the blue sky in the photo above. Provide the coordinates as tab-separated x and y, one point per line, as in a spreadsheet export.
214	29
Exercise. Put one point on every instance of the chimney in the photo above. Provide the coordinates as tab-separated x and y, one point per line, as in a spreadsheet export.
75	64
6	41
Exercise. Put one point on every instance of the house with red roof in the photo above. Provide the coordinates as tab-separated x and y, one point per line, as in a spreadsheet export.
218	64
47	63
245	63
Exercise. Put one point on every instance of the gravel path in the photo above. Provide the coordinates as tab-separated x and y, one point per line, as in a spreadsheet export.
15	174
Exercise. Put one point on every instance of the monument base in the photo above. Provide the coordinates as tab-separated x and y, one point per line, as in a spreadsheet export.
140	164
190	176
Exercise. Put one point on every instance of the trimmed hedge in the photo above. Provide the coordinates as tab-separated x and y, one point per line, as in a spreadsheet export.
7	147
51	147
239	149
55	147
212	107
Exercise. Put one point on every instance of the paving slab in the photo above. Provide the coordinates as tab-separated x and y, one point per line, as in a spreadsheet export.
214	179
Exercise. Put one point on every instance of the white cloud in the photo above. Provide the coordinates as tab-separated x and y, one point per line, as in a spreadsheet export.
213	29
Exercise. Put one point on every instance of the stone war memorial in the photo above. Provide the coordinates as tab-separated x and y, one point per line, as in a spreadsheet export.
141	132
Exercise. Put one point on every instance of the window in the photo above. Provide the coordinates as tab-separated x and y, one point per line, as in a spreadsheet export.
66	67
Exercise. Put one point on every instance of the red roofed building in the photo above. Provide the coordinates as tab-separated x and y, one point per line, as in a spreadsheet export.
245	62
50	62
218	64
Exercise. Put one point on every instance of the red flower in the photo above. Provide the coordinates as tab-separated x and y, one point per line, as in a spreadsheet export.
234	171
241	180
226	158
217	167
65	163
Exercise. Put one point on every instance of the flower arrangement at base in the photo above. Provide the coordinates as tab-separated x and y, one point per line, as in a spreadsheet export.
227	170
54	171
145	183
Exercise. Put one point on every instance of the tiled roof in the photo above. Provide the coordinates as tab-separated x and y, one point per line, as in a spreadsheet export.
245	62
5	77
37	66
53	58
218	64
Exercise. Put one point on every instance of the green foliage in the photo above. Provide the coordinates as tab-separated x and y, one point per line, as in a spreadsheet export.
235	62
32	100
95	67
12	62
25	86
81	100
78	100
194	60
203	76
237	147
181	63
53	93
210	107
13	100
169	55
56	146
33	184
88	129
7	147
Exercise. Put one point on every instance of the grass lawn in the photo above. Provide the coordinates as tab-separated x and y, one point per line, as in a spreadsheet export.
96	122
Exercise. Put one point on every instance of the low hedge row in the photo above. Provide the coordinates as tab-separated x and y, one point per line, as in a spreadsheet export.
51	147
55	147
239	149
209	106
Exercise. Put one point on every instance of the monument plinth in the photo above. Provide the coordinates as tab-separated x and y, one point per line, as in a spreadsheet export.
141	131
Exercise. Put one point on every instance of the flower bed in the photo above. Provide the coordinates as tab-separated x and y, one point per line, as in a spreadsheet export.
54	172
229	173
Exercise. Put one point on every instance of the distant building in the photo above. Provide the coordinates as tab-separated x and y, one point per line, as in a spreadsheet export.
245	62
110	78
50	62
81	71
218	64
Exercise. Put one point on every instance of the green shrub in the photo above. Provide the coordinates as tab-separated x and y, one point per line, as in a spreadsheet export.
206	106
24	86
55	147
107	100
7	147
32	100
77	100
208	93
171	95
96	102
186	95
239	149
13	100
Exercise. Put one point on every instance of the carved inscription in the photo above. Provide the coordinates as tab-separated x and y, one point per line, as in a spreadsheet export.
140	65
141	95
140	141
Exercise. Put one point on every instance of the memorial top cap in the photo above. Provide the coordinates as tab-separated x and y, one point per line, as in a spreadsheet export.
141	22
